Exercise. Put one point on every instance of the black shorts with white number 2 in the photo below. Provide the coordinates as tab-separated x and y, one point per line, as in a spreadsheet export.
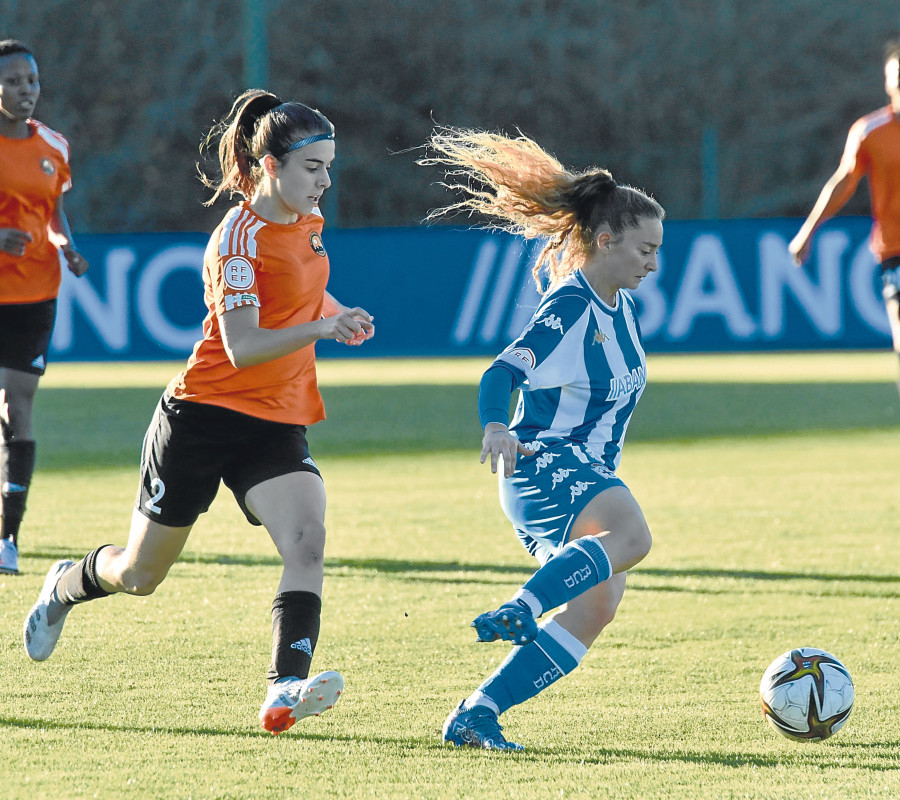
190	447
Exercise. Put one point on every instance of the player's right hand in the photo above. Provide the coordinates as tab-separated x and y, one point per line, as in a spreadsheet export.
346	325
799	249
14	241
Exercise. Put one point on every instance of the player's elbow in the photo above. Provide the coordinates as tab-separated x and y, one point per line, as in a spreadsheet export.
241	357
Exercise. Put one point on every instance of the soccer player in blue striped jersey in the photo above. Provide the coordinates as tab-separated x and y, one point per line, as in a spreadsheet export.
580	368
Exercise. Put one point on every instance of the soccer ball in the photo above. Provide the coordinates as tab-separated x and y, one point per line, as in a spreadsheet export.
806	694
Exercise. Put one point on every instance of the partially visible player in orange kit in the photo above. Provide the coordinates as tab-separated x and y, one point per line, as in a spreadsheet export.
238	412
35	241
873	150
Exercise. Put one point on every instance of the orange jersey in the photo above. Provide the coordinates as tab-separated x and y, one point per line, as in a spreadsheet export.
34	172
873	149
283	271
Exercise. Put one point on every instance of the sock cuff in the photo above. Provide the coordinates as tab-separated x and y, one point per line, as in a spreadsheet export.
295	598
92	586
528	598
479	698
574	647
594	550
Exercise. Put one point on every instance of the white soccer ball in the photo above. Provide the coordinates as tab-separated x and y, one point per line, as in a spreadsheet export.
806	694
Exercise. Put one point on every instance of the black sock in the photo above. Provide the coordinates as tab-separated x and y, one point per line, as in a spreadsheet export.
295	631
16	469
78	583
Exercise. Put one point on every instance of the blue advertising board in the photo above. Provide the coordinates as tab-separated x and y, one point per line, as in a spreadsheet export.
441	291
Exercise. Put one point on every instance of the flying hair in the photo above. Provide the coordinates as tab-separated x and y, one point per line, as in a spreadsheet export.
520	188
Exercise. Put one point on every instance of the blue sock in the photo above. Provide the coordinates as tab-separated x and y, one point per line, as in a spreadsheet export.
581	564
530	669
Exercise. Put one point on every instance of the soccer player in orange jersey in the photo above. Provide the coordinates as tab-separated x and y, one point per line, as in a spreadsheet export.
238	412
873	150
35	240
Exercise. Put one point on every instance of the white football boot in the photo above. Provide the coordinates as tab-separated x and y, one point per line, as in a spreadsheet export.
9	557
295	698
40	635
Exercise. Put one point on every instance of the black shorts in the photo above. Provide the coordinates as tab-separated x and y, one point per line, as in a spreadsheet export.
189	447
25	330
890	278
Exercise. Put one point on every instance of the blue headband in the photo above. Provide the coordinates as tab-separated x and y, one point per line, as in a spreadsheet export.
309	140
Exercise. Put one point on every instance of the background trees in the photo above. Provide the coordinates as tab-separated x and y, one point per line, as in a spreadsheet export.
724	108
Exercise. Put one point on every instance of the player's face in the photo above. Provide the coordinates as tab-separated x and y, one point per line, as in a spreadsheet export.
304	176
633	256
19	87
892	77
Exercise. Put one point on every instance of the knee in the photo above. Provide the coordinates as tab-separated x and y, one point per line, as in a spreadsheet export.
642	539
141	580
601	617
305	546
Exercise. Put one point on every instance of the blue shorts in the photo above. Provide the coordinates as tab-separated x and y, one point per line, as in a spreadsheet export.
548	491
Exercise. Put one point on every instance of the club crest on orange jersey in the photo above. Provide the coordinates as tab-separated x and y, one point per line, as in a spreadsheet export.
47	166
315	242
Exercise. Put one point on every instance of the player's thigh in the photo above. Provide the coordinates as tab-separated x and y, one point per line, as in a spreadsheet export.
615	515
292	509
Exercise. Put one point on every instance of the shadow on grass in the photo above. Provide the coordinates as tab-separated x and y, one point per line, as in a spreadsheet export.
797	758
463	572
78	428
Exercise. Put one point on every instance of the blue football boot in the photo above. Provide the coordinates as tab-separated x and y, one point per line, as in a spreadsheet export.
476	727
512	622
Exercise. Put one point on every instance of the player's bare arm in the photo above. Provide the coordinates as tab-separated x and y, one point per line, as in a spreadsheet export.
247	344
834	196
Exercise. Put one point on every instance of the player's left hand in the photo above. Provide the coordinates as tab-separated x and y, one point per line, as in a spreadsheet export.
363	335
78	264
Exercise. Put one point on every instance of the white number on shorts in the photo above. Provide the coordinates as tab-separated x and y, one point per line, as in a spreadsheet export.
160	489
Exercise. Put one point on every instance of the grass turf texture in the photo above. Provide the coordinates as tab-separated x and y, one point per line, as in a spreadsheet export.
769	483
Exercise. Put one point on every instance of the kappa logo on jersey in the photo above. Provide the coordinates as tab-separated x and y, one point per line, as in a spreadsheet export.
626	384
47	166
545	460
579	488
315	242
600	337
553	322
238	300
602	470
524	355
238	273
535	446
303	645
560	475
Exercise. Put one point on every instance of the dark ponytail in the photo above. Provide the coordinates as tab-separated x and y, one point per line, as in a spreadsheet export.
596	199
258	123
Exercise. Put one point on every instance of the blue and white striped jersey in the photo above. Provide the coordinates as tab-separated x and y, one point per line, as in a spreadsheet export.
584	369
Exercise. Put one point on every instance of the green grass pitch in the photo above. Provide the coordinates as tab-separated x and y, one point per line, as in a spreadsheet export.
770	484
